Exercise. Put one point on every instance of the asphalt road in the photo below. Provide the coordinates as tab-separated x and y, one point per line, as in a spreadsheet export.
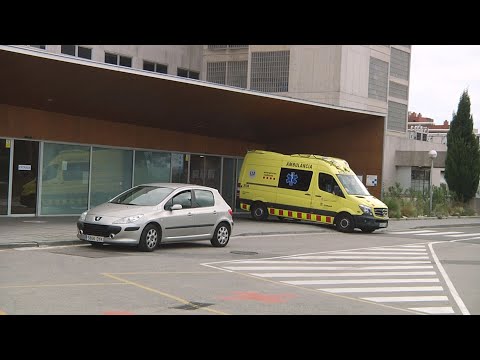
388	272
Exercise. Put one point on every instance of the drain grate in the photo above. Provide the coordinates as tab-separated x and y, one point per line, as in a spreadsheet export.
244	252
192	306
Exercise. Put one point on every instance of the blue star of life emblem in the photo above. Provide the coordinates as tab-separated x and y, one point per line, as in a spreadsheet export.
292	178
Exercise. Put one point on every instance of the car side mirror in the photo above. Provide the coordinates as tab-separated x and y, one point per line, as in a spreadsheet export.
176	207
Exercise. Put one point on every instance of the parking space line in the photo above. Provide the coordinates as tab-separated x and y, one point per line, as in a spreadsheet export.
173	297
168	272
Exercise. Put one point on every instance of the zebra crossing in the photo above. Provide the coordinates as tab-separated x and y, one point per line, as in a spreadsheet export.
402	276
430	234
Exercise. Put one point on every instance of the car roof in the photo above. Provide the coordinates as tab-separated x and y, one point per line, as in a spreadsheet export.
175	186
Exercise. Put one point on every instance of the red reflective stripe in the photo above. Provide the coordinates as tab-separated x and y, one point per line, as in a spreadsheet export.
272	211
329	219
299	215
289	213
280	212
309	216
319	218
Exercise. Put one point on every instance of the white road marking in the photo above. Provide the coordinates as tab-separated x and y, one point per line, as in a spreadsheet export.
406	298
361	257
359	281
474	238
383	289
340	262
272	268
442	233
413	246
387	267
385	273
435	310
460	235
452	289
413	251
410	232
382	253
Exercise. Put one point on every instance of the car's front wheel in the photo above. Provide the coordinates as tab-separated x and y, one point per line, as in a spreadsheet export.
150	238
221	236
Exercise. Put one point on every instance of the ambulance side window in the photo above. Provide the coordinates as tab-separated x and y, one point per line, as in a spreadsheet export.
295	179
327	183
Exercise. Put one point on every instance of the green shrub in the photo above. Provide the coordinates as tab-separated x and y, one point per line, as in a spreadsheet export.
393	207
441	210
408	209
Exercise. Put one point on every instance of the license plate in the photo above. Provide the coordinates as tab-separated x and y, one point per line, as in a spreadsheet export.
382	225
94	238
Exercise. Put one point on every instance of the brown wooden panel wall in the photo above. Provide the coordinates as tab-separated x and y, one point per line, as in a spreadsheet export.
41	125
361	144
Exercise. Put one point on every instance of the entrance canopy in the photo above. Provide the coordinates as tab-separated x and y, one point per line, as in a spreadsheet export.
68	85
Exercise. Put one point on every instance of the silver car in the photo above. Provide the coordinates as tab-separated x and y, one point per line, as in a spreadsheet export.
148	214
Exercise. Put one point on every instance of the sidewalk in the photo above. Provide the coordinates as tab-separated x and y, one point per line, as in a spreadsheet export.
62	230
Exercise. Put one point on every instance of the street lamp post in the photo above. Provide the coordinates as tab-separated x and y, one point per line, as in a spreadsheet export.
432	154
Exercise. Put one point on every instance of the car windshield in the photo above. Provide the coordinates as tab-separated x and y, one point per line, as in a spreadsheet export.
143	196
353	185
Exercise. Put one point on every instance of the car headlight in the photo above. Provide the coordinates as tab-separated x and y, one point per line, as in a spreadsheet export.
366	210
128	219
83	216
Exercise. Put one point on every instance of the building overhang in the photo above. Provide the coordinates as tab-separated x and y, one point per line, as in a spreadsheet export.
64	84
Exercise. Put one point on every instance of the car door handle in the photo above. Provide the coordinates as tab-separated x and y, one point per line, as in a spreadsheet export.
307	194
318	196
214	211
189	214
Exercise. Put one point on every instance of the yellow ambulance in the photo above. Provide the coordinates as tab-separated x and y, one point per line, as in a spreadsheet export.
308	187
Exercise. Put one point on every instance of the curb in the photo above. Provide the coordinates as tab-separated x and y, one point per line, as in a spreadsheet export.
40	243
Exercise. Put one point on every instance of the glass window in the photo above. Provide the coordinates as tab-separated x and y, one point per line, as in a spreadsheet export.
182	72
149	66
327	183
43	47
160	68
84	52
180	168
5	146
294	179
270	71
213	167
111	58
125	61
65	179
111	174
184	198
228	181
143	196
352	185
152	166
204	198
194	75
68	49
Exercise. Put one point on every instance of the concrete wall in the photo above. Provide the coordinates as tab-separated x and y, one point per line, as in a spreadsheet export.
175	56
18	122
399	143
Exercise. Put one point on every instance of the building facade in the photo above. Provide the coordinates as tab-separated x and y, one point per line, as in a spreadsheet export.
372	79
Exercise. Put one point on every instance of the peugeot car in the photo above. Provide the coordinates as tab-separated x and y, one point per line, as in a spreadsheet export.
149	214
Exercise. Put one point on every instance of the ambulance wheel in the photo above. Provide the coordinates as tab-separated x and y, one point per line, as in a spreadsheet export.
344	222
259	211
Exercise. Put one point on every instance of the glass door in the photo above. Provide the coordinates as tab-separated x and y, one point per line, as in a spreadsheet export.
5	147
24	177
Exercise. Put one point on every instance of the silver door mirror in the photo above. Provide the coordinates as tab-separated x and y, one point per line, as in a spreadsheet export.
176	207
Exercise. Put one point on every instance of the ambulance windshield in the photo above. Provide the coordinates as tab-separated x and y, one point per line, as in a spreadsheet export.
353	185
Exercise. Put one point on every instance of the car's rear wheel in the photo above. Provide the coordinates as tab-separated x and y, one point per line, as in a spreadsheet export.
221	236
344	222
259	211
150	238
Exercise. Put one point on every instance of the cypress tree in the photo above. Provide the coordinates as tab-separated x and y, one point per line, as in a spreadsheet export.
462	164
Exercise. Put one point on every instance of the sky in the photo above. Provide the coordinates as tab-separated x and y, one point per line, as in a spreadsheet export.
438	76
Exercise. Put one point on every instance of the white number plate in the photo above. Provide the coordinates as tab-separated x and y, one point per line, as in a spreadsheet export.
94	238
382	224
